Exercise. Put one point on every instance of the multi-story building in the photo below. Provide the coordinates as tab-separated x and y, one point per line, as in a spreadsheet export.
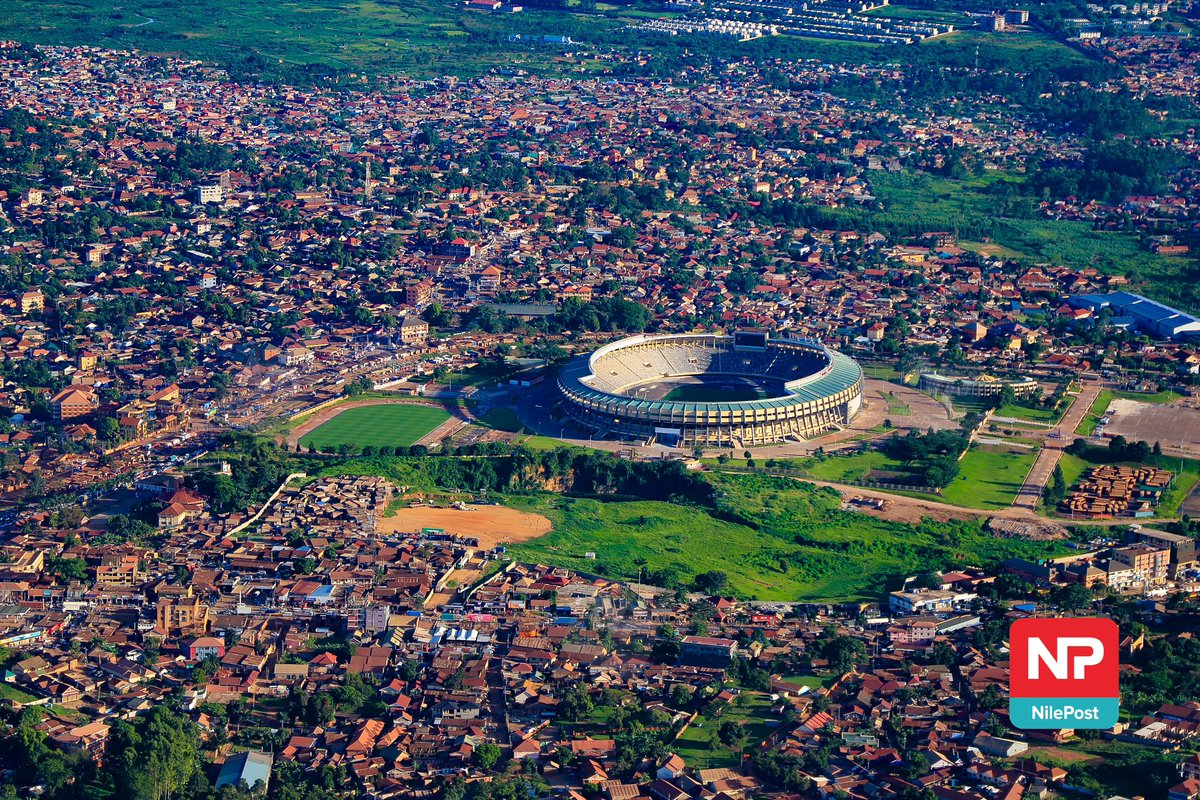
119	571
982	386
707	651
210	193
183	615
1150	563
73	401
927	601
32	301
413	330
1183	548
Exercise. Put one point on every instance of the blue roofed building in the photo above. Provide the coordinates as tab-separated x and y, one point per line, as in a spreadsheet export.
1134	310
251	767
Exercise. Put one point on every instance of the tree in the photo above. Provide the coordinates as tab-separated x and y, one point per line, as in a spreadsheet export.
158	758
991	697
731	734
1056	491
108	429
68	569
486	756
665	651
575	703
680	696
712	582
842	652
943	653
320	709
1072	597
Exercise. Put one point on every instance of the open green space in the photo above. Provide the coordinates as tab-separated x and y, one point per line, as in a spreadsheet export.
10	692
779	539
896	406
711	393
857	467
881	372
989	477
502	418
992	207
1047	415
813	682
396	425
991	249
1119	768
920	14
698	744
420	37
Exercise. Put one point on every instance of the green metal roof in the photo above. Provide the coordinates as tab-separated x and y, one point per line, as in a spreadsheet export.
843	373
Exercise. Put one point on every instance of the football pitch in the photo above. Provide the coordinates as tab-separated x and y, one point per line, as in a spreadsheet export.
712	393
381	426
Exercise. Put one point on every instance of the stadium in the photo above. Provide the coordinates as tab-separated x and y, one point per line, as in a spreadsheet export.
711	390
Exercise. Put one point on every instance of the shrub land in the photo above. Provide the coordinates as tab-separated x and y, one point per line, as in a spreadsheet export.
751	535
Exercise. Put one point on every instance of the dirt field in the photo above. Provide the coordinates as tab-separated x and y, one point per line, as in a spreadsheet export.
491	525
1175	425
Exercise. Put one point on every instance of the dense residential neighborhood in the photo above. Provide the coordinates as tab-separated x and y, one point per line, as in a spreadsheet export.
290	508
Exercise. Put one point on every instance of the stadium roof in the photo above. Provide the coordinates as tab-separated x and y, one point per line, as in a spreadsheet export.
843	372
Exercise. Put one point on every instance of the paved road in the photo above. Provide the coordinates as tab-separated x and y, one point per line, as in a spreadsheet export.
1055	442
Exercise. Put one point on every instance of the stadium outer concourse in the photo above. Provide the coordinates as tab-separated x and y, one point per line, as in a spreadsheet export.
801	389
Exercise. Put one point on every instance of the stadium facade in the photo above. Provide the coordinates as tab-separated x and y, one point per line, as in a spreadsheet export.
622	390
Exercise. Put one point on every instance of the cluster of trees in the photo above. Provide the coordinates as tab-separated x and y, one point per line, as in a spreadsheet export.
932	455
358	386
1169	672
154	758
1118	449
603	314
1107	171
258	469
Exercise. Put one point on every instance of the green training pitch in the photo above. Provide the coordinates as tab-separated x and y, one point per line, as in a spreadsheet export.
710	393
381	426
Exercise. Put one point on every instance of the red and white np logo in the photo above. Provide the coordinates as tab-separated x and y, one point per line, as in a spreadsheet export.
1063	673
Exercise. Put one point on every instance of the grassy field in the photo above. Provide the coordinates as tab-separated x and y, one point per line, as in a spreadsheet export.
920	14
502	419
10	692
857	467
697	744
1047	415
704	393
382	426
790	541
990	477
881	372
896	406
1123	768
813	682
420	37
